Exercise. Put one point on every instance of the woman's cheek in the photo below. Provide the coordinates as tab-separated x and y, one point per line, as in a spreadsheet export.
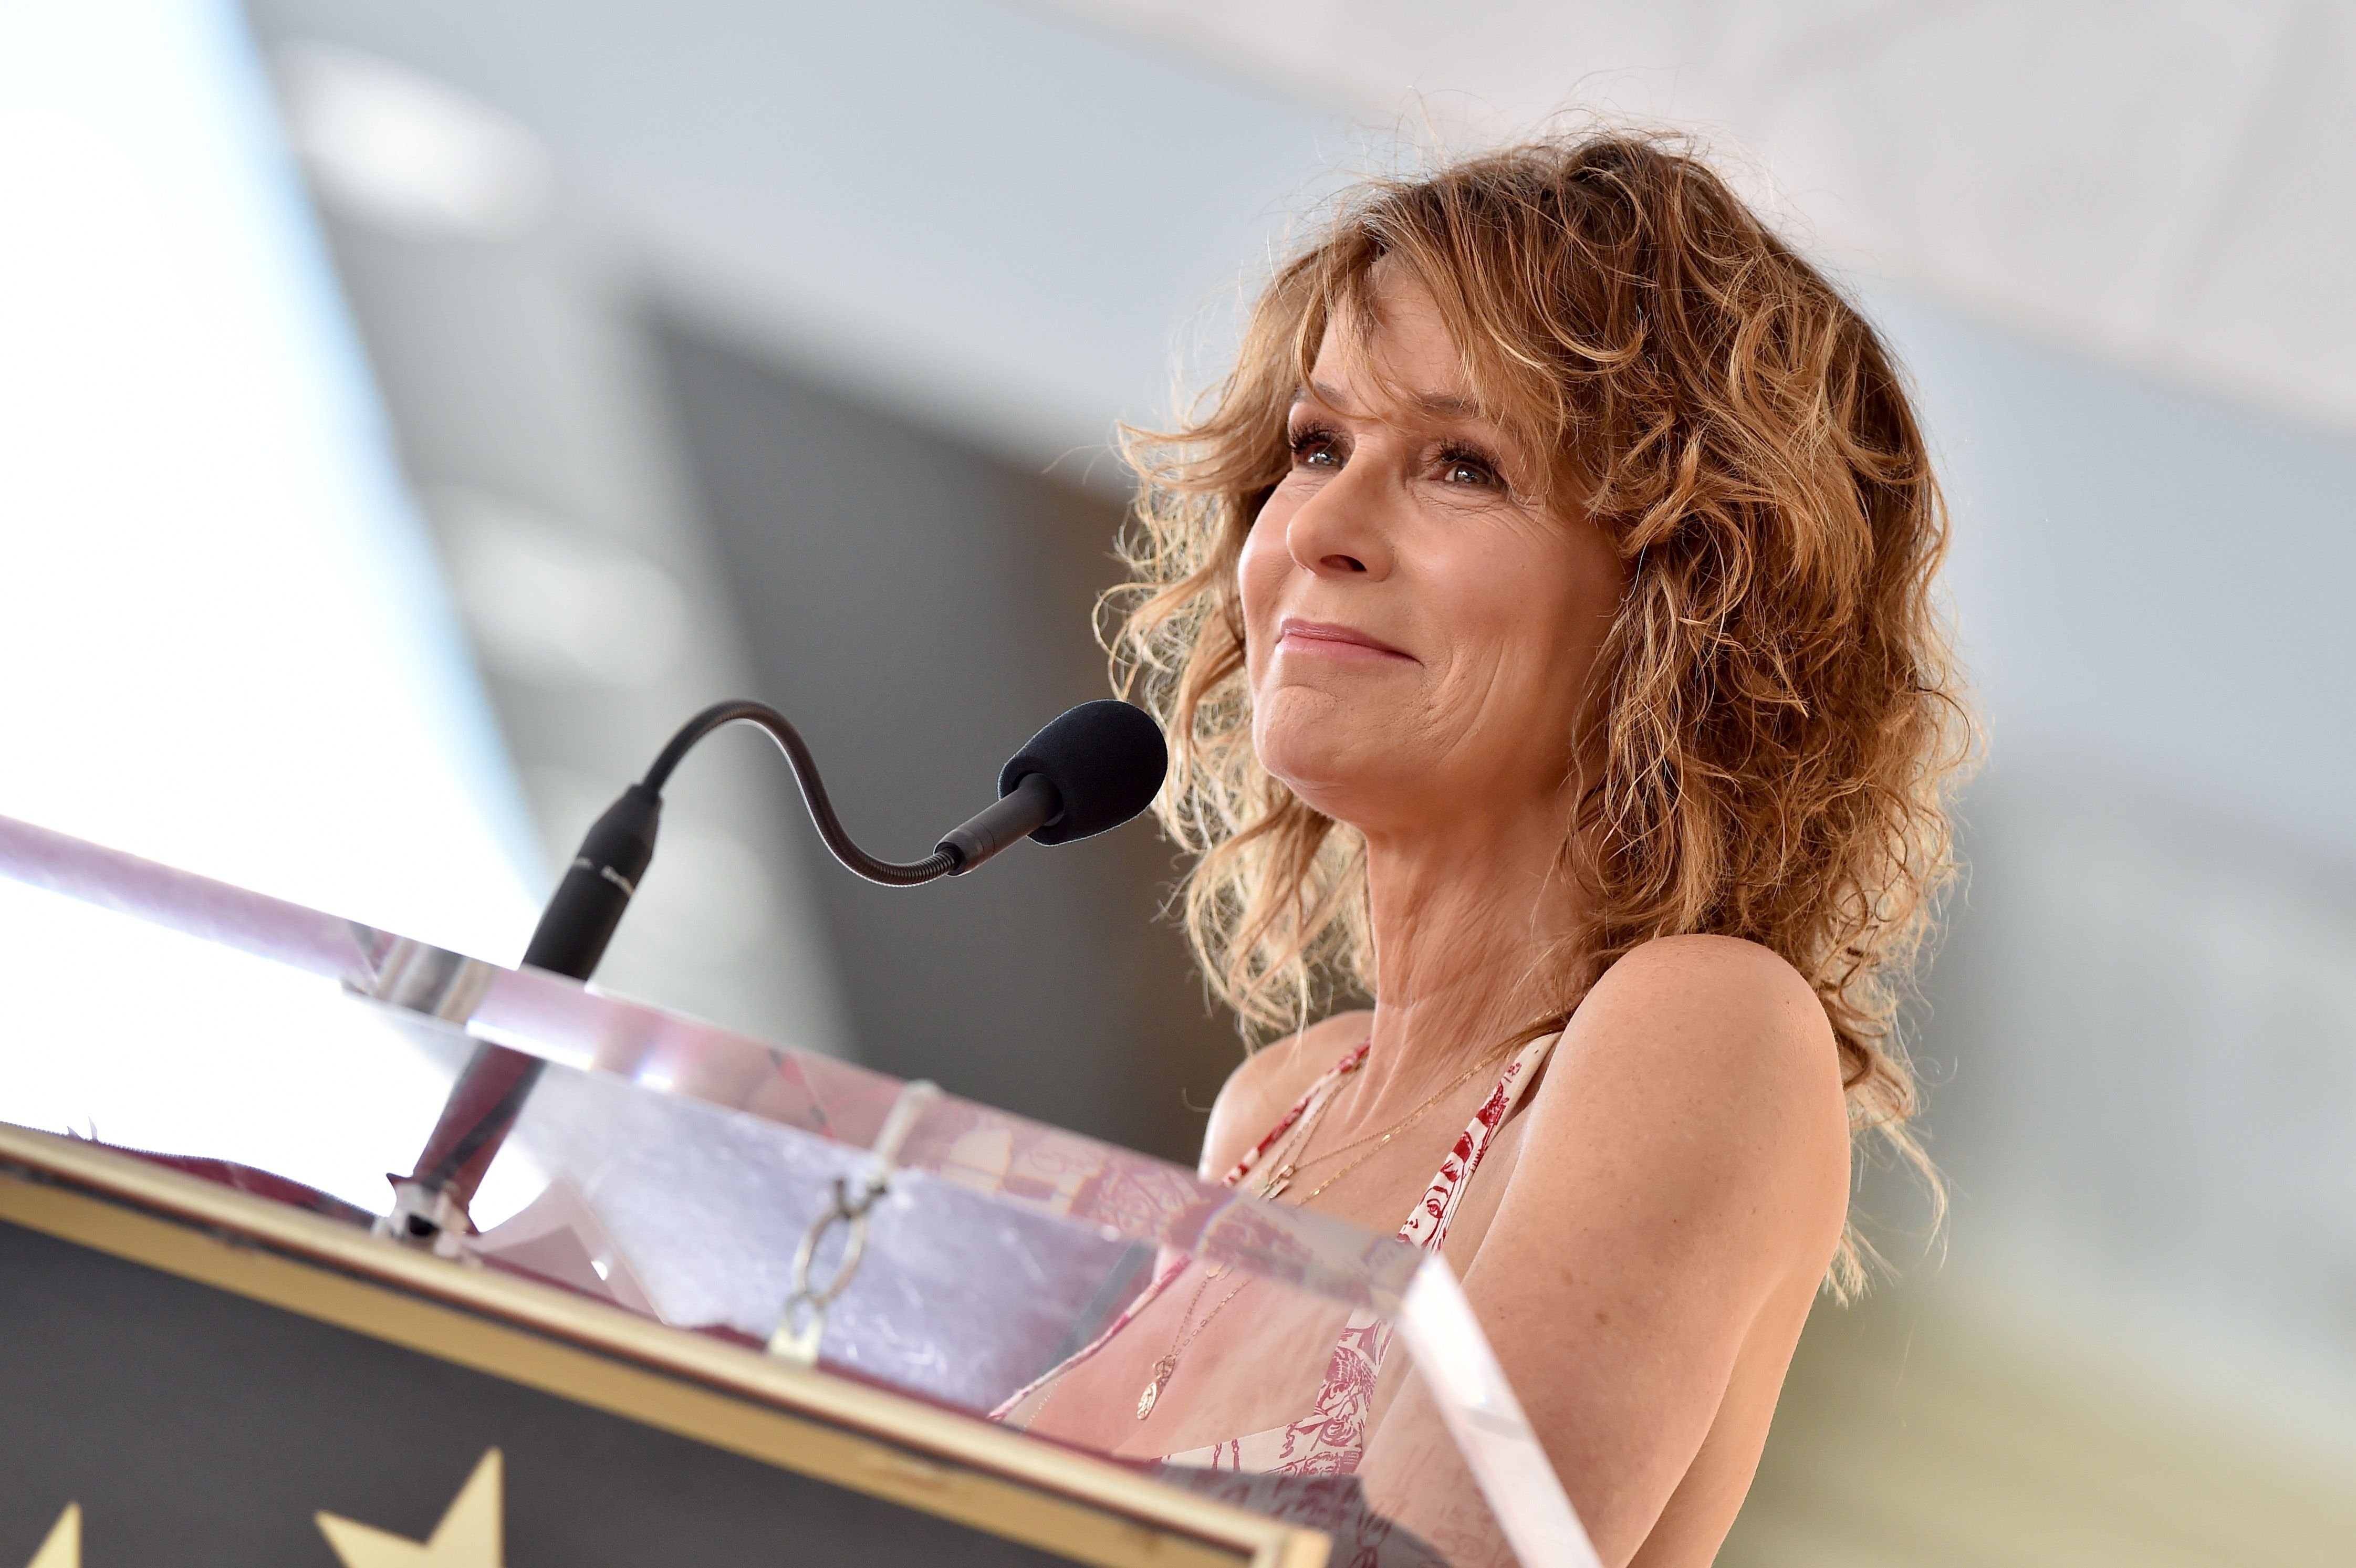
1260	579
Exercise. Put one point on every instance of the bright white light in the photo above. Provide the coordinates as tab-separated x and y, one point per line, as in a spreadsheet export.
225	645
181	1048
407	153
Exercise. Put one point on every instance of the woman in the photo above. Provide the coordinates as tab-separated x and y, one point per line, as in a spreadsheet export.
1542	617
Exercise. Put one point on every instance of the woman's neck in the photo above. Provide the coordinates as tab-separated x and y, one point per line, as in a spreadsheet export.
1463	922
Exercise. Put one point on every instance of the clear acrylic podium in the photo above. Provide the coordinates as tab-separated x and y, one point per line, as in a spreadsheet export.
688	1208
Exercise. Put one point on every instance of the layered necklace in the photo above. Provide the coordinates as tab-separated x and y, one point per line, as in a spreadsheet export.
1289	1160
1167	1367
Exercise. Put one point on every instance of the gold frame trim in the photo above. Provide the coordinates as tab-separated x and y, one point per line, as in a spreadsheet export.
864	1439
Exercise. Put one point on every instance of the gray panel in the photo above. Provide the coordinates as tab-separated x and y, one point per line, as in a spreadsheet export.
197	1427
918	609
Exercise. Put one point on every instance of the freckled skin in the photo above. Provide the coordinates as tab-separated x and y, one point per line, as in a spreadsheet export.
1678	1180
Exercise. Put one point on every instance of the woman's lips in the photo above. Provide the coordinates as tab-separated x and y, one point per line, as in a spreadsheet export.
1333	640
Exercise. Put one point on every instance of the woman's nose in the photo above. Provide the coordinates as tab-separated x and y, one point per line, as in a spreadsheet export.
1339	532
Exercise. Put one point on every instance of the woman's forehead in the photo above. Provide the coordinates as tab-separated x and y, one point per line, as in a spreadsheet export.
1396	356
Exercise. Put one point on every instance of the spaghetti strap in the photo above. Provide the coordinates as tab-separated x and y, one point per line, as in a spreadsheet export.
1012	1406
1332	1077
1330	1438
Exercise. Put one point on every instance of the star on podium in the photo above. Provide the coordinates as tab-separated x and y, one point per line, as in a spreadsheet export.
468	1537
64	1547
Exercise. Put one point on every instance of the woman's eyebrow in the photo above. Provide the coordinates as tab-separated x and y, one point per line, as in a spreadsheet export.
1447	405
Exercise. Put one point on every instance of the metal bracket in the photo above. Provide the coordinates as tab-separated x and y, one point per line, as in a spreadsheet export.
802	1325
428	1219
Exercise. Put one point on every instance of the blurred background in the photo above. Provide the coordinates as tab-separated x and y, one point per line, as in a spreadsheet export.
409	413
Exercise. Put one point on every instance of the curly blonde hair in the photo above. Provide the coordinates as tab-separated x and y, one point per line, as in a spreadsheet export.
1782	718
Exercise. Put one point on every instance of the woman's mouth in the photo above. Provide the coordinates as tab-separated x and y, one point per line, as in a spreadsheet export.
1331	639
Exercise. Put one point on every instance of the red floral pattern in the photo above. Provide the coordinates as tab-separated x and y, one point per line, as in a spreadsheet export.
1330	1439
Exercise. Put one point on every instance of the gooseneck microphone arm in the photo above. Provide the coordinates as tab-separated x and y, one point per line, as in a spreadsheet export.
941	863
615	853
1094	768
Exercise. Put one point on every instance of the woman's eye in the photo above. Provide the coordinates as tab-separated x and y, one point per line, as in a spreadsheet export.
1461	468
1315	449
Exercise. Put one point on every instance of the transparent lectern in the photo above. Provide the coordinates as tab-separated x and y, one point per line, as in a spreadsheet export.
728	1302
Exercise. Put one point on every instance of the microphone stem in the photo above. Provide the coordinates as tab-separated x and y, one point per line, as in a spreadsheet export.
571	938
890	873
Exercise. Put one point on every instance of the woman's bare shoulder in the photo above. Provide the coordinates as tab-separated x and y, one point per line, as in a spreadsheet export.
1694	1043
1267	1083
1709	1003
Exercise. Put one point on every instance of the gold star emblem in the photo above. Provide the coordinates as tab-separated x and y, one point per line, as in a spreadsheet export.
468	1537
63	1547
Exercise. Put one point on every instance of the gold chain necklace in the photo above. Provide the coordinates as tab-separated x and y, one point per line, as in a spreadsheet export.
1277	1180
1167	1367
1319	1190
1281	1164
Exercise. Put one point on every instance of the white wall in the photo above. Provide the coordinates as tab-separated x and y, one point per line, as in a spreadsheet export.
226	646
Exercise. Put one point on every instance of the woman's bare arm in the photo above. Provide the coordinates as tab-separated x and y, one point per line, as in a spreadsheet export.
1685	1162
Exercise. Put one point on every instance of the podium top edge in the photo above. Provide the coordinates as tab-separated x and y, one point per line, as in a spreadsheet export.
894	1420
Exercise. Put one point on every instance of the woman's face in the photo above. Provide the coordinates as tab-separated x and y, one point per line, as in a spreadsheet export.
1418	632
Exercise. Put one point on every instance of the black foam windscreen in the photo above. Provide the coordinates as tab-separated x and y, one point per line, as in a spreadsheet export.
1105	760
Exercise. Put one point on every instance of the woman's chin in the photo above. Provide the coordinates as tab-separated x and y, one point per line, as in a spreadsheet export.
1343	780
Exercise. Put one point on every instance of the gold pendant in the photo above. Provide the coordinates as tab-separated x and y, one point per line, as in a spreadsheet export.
1152	1395
1277	1181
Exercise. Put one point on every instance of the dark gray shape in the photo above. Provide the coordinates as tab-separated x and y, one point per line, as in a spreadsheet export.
197	1427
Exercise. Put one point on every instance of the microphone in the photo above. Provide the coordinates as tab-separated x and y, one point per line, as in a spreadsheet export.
1091	769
